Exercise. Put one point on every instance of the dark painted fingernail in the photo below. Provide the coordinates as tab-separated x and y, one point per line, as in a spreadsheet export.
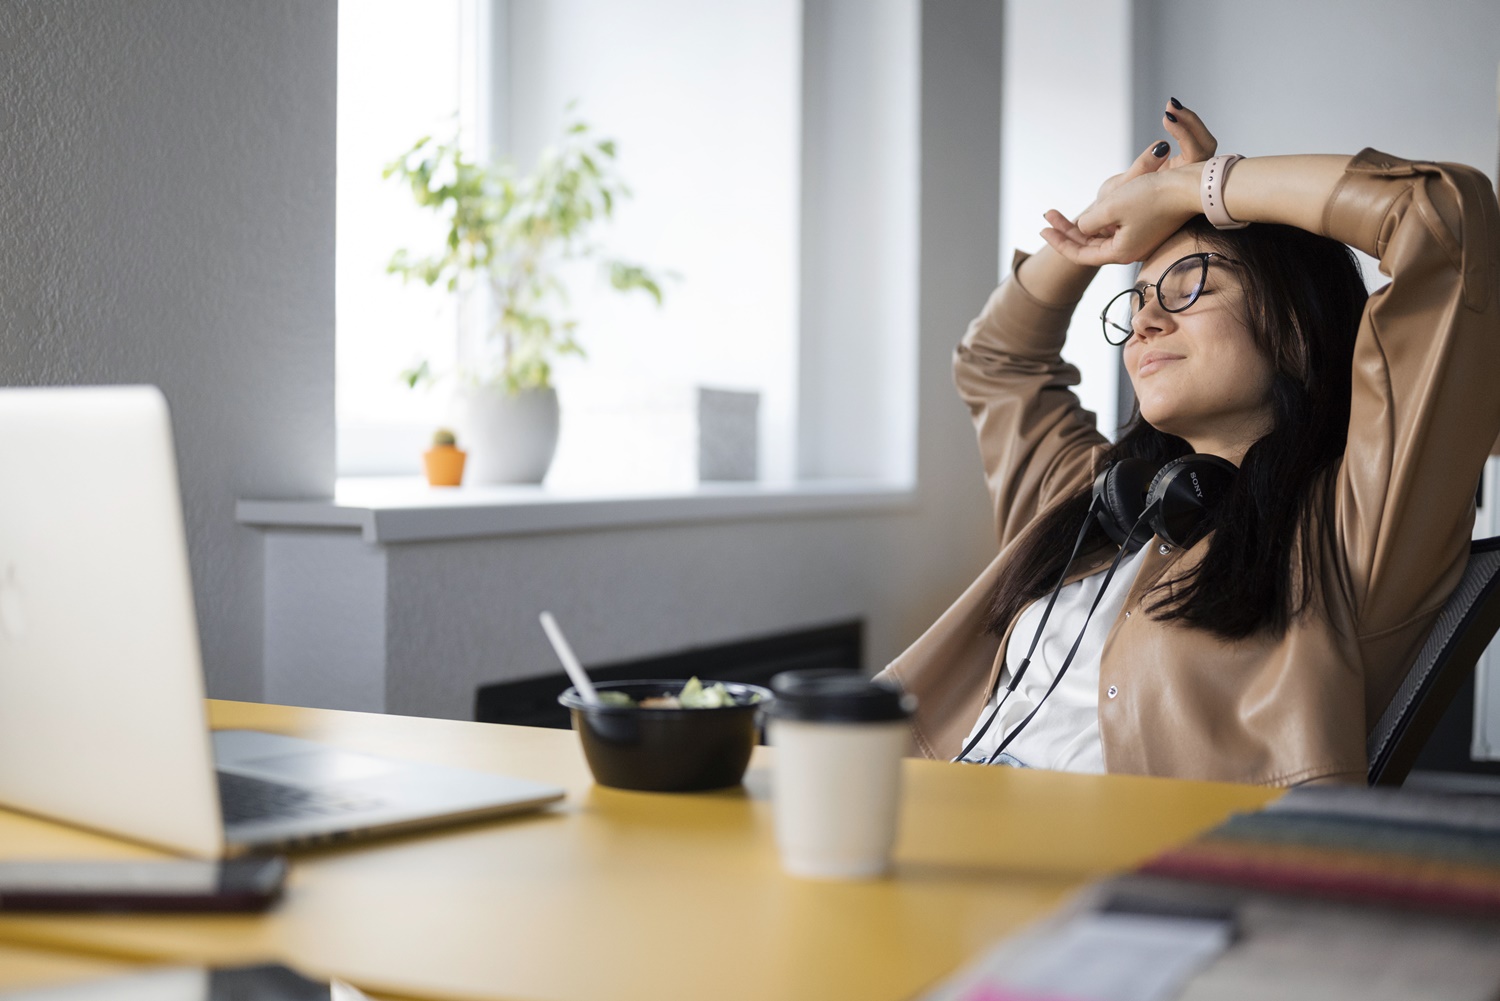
1161	149
1175	103
1171	117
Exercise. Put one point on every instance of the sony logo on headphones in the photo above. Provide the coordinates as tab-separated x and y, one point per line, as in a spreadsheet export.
1196	488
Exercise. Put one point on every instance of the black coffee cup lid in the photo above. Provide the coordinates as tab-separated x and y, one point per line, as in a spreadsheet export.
832	696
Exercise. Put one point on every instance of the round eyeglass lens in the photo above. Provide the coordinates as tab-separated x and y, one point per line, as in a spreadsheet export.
1119	314
1183	282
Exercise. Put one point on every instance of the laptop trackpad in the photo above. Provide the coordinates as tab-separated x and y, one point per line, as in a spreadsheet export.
316	767
288	759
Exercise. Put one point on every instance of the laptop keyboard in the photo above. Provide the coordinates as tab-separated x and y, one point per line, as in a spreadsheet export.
245	799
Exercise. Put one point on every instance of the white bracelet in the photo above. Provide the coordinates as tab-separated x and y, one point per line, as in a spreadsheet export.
1215	173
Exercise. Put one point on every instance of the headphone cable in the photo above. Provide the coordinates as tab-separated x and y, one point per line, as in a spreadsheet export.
1063	669
1020	672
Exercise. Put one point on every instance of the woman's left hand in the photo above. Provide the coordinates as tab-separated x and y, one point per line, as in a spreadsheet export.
1137	209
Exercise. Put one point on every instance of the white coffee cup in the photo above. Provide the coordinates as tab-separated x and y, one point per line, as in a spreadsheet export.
836	782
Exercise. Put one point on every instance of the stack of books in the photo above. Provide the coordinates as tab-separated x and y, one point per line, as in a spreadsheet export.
1339	894
1368	846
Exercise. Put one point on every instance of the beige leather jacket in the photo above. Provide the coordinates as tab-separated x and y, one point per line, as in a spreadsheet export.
1180	701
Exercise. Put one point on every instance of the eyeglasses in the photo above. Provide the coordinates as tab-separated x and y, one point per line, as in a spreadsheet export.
1177	289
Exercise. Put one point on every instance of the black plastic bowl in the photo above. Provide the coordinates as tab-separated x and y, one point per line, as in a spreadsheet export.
667	750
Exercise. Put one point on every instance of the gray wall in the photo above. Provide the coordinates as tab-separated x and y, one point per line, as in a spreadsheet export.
856	402
1325	76
167	217
1322	76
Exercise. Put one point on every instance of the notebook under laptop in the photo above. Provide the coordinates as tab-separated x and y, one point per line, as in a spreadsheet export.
102	717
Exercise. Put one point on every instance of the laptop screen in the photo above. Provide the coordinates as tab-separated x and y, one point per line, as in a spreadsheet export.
102	719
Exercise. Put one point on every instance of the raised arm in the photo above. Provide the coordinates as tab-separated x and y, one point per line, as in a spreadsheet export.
1424	409
1058	272
1036	440
1124	225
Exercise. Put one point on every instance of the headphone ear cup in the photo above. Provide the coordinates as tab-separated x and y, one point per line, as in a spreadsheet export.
1121	492
1184	495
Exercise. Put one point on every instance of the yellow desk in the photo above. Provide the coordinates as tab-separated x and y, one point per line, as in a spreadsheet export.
26	967
622	895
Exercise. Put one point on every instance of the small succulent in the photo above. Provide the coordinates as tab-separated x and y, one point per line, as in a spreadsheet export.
443	438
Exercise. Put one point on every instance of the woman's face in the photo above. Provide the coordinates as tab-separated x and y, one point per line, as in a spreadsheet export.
1198	373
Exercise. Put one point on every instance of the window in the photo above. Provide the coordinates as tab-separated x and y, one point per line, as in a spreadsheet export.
400	76
703	100
772	147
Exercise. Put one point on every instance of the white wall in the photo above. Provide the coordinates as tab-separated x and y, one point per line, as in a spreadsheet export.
856	403
1062	133
167	217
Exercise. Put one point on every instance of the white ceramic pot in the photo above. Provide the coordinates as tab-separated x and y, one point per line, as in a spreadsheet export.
510	438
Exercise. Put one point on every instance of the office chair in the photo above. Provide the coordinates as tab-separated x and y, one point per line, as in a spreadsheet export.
1464	627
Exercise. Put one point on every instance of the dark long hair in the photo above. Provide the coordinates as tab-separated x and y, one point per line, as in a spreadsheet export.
1303	300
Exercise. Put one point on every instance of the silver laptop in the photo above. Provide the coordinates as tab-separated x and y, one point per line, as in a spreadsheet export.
102	716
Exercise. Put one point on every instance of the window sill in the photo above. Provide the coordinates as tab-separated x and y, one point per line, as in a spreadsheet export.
406	509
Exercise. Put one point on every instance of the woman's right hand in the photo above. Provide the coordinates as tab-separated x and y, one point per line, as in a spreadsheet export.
1195	144
1061	271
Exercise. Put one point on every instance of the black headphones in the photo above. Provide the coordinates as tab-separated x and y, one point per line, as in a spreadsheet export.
1132	500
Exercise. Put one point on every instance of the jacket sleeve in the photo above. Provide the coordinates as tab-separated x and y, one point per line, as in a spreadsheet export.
1036	441
1425	407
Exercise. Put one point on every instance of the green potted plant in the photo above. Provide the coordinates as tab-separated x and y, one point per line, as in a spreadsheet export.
511	234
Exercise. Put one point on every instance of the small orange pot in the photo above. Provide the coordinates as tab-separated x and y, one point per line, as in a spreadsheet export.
445	465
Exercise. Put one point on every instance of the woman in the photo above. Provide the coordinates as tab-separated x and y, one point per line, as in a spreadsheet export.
1261	647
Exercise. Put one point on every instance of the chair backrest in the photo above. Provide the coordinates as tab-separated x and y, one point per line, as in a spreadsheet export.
1464	627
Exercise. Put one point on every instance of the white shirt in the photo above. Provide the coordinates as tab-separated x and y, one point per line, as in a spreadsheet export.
1065	734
